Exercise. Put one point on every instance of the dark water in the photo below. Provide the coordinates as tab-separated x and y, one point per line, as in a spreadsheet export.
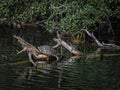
70	73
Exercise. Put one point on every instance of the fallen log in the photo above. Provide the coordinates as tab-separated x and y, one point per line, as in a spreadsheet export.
32	51
27	47
102	45
67	46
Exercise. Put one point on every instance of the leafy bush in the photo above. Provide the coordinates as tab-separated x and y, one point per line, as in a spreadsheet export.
62	15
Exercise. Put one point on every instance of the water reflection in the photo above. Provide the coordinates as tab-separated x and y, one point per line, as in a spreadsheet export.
46	68
101	53
68	74
75	73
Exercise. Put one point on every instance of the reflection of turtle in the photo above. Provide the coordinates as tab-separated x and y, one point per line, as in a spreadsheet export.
48	51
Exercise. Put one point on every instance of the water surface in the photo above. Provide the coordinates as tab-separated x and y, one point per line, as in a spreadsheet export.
82	73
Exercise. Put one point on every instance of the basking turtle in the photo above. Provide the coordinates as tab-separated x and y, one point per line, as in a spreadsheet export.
49	51
76	49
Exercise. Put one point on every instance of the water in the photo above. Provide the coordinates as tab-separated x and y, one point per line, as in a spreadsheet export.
63	75
80	73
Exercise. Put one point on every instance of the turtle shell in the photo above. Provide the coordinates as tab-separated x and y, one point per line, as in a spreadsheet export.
46	49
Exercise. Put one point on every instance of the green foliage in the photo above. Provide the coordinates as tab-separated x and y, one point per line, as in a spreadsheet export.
62	15
71	16
22	10
115	12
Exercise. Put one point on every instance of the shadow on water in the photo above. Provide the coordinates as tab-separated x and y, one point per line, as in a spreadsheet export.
71	73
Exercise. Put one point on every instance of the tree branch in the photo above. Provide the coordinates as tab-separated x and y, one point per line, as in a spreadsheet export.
102	45
64	44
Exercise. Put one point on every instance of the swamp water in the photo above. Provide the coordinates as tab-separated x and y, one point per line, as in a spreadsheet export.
82	73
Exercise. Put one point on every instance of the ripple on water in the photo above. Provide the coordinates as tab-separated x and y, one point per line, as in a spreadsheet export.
63	75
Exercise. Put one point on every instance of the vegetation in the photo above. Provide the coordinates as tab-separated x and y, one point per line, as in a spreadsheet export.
62	15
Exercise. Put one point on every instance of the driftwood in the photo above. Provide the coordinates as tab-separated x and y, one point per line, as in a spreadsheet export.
31	50
27	46
67	46
102	45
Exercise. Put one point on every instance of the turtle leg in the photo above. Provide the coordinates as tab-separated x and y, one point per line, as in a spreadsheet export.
31	60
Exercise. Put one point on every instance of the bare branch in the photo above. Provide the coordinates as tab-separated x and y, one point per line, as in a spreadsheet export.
24	49
93	37
64	44
102	45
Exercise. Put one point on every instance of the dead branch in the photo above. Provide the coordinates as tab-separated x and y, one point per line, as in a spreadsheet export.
93	37
31	50
102	45
64	44
27	47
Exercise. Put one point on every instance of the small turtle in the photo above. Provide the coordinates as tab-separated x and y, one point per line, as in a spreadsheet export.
76	49
48	50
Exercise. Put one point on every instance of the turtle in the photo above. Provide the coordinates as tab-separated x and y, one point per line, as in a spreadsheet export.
48	51
76	49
